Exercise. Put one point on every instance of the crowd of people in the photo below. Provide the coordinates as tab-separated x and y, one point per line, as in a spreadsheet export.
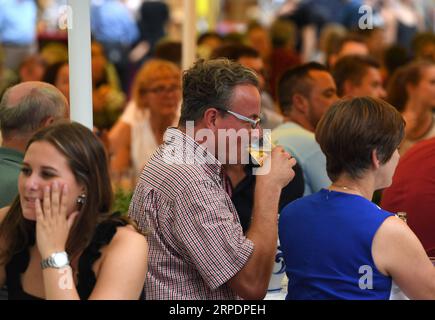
205	212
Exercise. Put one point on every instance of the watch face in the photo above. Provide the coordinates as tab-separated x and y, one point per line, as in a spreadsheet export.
60	259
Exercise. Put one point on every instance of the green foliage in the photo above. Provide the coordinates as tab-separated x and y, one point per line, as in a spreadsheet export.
122	200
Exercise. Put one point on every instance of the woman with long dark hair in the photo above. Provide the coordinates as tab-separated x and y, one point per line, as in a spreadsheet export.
59	239
412	91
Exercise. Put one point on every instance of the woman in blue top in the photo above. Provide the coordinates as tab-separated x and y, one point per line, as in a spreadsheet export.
336	243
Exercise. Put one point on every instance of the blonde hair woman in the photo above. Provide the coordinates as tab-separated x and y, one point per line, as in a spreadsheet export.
154	107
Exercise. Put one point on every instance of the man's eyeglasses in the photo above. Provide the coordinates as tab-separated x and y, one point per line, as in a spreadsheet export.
254	122
159	90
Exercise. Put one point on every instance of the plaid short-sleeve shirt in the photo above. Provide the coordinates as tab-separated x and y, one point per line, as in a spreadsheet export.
196	243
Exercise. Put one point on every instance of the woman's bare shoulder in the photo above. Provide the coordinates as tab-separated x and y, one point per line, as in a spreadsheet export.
126	244
128	233
127	238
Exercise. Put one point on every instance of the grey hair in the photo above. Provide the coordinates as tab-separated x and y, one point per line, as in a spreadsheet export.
30	112
211	84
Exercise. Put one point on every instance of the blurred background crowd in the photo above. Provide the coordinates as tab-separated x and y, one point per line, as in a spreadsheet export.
131	110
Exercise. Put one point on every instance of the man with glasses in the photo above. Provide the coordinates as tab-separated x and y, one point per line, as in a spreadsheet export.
250	58
242	181
254	122
197	246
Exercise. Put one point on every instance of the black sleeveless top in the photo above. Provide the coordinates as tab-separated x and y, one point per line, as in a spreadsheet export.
86	277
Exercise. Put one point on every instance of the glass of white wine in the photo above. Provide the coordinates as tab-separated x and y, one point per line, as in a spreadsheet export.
260	148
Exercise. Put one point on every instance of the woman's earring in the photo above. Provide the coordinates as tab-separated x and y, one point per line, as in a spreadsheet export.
81	199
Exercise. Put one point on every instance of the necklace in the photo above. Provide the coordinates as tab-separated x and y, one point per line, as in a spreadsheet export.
346	188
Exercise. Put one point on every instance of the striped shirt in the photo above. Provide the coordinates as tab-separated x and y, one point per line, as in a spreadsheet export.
196	243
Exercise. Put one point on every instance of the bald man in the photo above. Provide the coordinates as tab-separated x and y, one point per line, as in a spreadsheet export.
24	108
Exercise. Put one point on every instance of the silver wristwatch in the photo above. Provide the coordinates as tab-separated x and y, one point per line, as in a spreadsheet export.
57	260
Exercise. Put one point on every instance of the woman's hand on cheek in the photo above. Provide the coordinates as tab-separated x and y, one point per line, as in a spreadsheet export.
52	221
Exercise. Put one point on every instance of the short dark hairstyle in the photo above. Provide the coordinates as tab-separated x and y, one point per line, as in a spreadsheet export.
397	94
352	68
210	84
208	34
395	56
169	50
234	51
296	81
352	128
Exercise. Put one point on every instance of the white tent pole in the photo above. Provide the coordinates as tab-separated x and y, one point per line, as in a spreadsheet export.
189	34
79	53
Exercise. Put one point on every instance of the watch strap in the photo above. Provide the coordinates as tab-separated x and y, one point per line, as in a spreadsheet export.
50	263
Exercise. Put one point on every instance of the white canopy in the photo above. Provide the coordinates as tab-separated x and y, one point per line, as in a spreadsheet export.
79	52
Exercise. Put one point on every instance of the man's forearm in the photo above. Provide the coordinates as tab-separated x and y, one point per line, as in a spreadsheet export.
263	232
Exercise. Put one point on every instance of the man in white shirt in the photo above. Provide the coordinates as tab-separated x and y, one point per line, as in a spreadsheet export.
305	93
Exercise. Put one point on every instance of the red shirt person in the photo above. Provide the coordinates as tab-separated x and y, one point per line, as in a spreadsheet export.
413	191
